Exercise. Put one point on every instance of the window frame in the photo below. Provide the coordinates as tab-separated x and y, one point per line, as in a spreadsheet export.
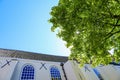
23	68
55	67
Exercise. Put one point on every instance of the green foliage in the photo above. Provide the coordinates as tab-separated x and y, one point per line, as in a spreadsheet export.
90	27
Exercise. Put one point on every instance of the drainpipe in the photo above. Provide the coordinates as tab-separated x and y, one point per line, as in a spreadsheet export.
62	65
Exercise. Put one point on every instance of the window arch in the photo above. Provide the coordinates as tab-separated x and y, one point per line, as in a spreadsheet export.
55	74
27	73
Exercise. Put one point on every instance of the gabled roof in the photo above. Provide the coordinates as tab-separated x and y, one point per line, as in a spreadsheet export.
31	55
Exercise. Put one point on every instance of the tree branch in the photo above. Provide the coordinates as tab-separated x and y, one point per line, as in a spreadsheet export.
112	34
116	25
116	16
113	28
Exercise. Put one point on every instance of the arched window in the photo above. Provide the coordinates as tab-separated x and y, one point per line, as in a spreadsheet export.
55	74
27	73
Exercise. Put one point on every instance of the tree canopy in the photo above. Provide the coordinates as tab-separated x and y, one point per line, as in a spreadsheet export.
90	28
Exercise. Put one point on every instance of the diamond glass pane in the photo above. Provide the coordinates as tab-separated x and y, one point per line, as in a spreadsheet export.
28	73
55	74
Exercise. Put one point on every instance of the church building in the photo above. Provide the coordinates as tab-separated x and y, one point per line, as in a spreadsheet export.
22	65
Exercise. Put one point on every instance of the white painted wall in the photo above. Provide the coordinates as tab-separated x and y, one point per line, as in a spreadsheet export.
14	70
110	72
7	71
72	71
117	68
88	73
69	71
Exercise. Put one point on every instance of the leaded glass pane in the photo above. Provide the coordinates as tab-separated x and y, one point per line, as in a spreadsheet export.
27	73
55	74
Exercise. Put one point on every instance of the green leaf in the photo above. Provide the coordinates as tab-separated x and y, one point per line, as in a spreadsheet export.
97	22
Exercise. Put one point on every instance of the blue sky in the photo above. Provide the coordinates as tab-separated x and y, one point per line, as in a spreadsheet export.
24	26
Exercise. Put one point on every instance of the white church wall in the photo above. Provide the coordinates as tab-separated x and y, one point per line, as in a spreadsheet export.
72	71
117	68
109	72
7	68
88	72
69	71
42	72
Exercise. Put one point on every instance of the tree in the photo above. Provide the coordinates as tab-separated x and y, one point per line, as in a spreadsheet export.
90	28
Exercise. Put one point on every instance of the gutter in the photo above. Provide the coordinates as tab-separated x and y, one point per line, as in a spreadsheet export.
62	65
